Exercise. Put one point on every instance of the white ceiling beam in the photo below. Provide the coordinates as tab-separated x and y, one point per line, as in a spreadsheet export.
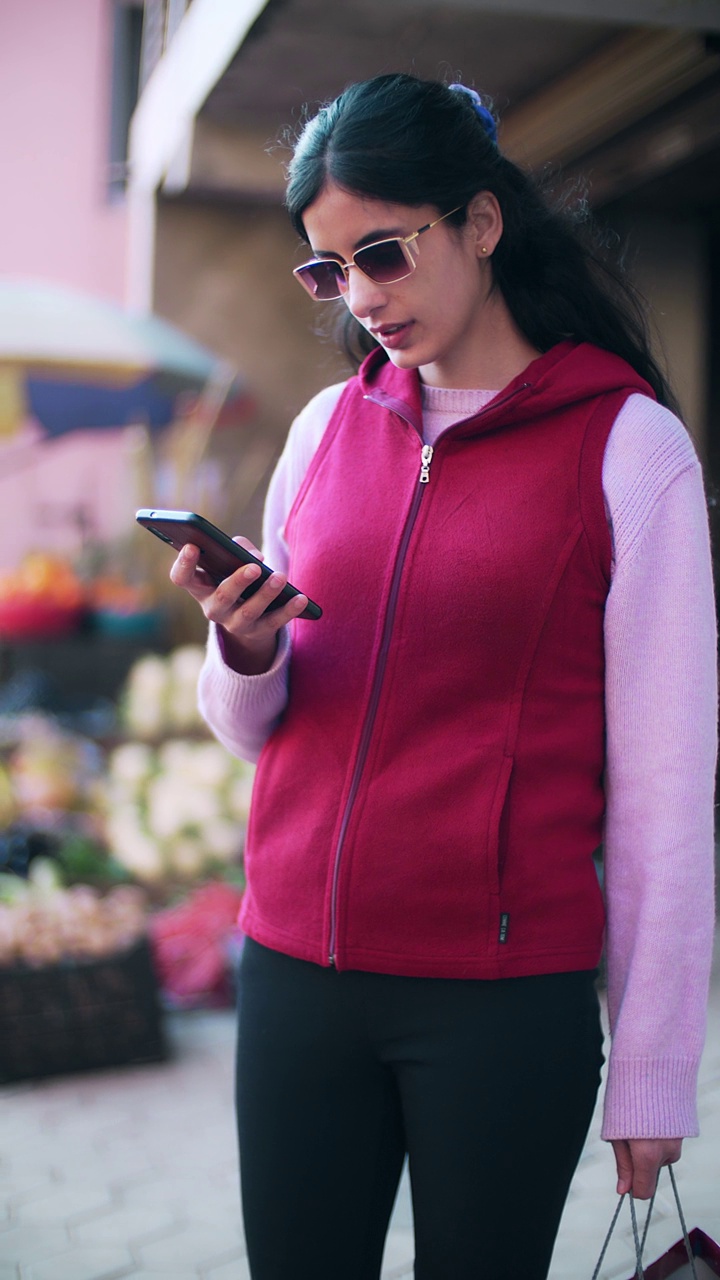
206	41
160	142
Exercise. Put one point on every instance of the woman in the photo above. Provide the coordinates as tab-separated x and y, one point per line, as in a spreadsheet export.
505	527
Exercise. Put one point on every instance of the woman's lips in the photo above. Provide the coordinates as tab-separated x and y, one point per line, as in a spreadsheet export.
392	335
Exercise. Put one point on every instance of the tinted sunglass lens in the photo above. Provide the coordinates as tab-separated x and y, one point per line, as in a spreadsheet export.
383	262
324	280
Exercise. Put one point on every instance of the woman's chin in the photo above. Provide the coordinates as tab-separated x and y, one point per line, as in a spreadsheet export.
402	359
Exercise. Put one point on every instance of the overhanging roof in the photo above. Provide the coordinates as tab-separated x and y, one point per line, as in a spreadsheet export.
568	76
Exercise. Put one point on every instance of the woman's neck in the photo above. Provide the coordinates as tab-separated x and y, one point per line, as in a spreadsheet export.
498	353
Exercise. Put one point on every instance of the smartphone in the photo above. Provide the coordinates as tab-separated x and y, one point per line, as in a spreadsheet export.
219	555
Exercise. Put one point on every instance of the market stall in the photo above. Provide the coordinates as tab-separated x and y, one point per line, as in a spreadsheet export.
121	872
121	822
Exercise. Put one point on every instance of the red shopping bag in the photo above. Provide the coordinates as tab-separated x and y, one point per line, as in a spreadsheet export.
676	1264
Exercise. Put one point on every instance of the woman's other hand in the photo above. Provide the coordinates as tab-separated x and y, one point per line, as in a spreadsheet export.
639	1161
250	634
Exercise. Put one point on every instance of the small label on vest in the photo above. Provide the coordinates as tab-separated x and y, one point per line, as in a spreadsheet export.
504	922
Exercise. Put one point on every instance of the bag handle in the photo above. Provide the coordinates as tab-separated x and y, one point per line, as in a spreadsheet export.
640	1244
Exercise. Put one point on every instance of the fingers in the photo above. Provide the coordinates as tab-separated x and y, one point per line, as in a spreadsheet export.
624	1166
225	600
249	546
219	600
239	616
644	1176
639	1161
183	572
247	620
250	632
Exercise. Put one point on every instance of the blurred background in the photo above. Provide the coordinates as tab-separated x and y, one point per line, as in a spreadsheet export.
154	349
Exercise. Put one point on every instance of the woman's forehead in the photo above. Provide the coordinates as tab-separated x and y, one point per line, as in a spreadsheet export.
357	217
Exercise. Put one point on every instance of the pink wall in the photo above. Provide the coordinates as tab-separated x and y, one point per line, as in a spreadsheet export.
58	224
45	484
56	221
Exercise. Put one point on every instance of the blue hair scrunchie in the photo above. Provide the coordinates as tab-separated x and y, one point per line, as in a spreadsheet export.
486	117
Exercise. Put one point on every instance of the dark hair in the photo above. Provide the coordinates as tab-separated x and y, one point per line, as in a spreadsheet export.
409	141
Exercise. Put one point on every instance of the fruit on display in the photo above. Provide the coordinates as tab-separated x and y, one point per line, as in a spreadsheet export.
8	803
45	595
42	923
43	576
42	596
122	608
113	593
52	771
95	833
193	943
177	811
160	693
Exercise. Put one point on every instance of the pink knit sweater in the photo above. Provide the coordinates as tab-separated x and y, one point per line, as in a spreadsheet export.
661	701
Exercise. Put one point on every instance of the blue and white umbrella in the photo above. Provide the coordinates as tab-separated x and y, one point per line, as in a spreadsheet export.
71	361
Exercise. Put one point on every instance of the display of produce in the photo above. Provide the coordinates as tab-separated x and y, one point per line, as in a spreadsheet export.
52	772
47	596
43	596
176	811
105	843
43	923
160	694
195	946
8	800
121	608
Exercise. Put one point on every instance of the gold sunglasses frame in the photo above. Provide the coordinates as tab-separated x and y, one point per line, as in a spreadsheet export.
407	248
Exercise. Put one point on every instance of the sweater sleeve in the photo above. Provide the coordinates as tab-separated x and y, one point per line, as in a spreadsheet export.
240	710
661	702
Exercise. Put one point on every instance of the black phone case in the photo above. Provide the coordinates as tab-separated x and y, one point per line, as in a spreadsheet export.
219	555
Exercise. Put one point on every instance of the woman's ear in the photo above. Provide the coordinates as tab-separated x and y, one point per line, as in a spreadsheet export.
485	217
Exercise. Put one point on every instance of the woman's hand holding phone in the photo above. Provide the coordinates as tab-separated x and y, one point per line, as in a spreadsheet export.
232	585
250	628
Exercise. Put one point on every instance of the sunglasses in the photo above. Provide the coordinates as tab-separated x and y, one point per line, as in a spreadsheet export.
384	262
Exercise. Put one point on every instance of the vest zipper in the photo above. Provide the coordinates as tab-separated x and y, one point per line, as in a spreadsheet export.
426	456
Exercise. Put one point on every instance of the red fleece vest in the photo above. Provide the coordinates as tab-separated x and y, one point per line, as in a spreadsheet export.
430	803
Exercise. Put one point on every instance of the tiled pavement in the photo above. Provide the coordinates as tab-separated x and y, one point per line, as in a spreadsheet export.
133	1174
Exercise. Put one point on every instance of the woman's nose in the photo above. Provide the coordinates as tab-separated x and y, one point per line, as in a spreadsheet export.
363	295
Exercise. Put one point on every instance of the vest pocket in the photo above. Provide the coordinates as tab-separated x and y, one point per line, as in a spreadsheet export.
497	831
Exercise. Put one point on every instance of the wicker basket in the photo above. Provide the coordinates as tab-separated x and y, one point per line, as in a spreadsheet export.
80	1015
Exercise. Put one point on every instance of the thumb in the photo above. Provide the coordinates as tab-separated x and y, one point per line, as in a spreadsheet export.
624	1165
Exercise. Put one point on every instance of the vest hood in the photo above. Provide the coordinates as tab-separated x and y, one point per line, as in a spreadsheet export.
570	373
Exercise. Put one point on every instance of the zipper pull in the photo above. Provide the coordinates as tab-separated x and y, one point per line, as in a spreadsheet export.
426	459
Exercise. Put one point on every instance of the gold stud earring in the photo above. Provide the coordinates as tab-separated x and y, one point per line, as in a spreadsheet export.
484	249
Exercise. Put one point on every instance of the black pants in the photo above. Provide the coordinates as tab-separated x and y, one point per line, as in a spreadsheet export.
488	1086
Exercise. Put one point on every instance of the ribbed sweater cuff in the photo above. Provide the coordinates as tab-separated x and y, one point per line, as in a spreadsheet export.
234	680
651	1098
241	710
